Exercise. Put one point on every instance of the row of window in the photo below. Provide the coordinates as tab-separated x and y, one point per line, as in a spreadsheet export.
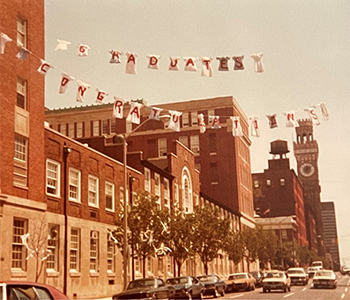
269	183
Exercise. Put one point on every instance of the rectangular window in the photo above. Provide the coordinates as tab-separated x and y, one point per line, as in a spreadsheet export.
282	182
19	253
74	184
213	147
157	184
109	191
256	183
214	173
20	172
183	140
166	193
176	195
22	93
105	127
268	182
53	178
79	129
147	180
95	128
162	147
74	254
185	120
93	190
128	126
94	245
22	32
112	125
194	119
63	129
110	254
52	245
194	140
71	130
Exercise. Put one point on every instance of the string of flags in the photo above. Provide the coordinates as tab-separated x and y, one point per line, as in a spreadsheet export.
153	63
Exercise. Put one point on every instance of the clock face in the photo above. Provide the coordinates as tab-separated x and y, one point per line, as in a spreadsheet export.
307	169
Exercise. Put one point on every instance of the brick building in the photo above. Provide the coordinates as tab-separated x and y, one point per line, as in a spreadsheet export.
278	191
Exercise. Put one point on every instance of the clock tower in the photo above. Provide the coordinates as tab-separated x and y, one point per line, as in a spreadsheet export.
306	154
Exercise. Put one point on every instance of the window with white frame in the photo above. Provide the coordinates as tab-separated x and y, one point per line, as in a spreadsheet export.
109	191
63	129
74	184
150	265
105	127
22	32
194	119
96	128
187	200
20	172
71	130
53	247
156	184
19	252
166	192
162	147
93	190
94	254
112	125
194	140
176	195
185	119
147	180
79	129
110	254
22	93
74	253
184	140
53	177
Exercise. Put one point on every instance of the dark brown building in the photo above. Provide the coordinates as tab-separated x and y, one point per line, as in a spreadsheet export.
278	191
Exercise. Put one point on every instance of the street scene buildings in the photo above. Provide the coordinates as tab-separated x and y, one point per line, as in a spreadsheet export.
67	174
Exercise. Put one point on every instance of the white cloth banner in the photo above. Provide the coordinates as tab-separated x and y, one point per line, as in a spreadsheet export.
118	108
254	126
214	122
291	120
83	50
272	121
131	63
82	87
324	111
313	115
174	63
236	126
174	122
64	82
201	123
135	112
100	96
238	62
62	45
44	67
223	63
4	39
207	69
153	61
155	113
23	53
258	64
115	59
190	64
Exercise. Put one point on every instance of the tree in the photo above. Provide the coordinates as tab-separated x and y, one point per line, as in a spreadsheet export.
267	245
234	247
36	243
251	244
209	233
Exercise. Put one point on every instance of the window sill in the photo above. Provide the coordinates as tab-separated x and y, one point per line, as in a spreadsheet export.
52	273
73	273
18	273
94	273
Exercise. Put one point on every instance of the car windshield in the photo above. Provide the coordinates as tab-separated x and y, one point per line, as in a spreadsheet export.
325	273
237	276
177	280
141	283
295	272
275	275
206	278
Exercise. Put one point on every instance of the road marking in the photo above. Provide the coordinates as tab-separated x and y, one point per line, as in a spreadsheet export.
342	296
235	296
304	289
288	295
346	289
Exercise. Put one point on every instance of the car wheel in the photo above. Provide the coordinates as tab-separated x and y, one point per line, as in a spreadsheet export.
222	292
253	287
289	289
200	296
264	290
285	289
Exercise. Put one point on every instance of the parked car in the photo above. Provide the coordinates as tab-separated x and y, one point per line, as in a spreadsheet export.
213	284
344	270
298	275
311	271
186	287
240	281
146	288
29	290
325	278
276	280
259	276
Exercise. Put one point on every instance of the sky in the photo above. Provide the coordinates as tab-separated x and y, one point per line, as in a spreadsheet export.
305	46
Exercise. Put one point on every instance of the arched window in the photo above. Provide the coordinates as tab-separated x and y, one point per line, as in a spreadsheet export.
187	197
